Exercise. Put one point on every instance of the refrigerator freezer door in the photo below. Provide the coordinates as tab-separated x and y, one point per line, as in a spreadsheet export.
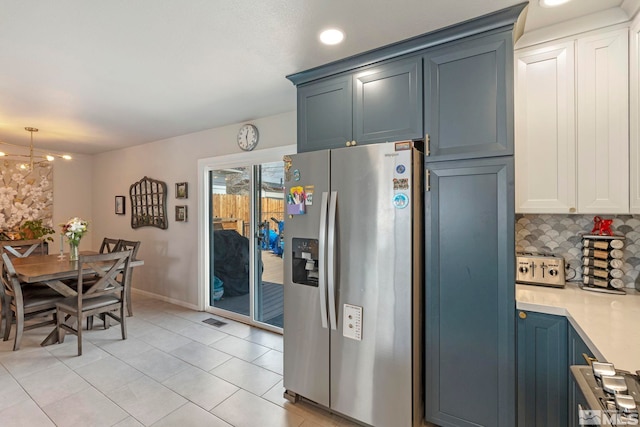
371	379
306	342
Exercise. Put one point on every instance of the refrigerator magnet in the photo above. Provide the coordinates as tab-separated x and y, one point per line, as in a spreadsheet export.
295	201
287	167
400	201
296	174
308	195
400	184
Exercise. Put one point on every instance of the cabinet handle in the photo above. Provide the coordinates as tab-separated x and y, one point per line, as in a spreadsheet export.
427	180
353	143
572	210
348	143
427	140
589	359
522	315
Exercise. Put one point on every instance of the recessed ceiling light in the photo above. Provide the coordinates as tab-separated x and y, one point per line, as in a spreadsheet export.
552	3
331	36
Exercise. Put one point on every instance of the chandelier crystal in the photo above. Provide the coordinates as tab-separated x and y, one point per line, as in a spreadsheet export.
34	159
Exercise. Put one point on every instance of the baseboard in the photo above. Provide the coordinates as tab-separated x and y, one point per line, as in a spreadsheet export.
165	299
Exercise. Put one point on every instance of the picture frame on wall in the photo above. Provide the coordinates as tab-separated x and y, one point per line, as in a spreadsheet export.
120	205
181	213
182	190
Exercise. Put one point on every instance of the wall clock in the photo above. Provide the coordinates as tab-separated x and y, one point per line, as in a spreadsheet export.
248	137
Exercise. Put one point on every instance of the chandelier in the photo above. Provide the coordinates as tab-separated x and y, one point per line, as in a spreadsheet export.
34	159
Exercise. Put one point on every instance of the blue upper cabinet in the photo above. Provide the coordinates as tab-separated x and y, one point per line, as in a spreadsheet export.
325	114
376	104
387	102
455	84
468	96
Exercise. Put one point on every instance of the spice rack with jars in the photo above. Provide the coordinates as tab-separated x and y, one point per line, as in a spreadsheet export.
602	263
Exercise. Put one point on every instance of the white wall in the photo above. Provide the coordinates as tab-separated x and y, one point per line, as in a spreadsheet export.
73	196
170	255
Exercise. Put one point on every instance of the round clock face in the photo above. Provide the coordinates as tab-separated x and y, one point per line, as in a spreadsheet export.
248	137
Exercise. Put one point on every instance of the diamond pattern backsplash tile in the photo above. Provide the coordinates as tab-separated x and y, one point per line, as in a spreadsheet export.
562	235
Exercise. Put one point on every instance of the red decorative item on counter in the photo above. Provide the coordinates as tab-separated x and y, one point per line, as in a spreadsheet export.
601	226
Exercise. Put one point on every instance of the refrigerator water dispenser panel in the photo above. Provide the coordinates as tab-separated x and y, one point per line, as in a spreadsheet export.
304	266
352	322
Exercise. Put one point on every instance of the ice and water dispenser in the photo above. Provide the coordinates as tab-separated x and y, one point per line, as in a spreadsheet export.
305	261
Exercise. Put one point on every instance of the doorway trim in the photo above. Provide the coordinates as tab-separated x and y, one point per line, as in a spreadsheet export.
204	167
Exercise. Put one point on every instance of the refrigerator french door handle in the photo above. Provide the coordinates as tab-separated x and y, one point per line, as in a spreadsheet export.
322	272
331	259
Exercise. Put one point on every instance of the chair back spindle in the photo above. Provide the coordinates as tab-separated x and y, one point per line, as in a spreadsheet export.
108	245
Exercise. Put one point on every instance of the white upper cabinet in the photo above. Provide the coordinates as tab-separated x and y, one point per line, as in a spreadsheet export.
572	125
545	143
603	122
634	114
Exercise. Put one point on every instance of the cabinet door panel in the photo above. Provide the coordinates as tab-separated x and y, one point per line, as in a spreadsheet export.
542	370
325	114
469	293
469	98
388	102
545	144
603	123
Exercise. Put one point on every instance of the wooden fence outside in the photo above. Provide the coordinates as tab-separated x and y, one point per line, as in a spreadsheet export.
230	207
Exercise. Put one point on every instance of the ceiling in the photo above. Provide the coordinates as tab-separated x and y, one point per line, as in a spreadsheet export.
96	76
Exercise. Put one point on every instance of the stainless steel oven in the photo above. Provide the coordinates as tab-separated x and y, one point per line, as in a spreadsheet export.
605	395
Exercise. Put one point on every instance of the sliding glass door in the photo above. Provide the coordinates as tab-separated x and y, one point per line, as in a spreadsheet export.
269	296
245	242
230	245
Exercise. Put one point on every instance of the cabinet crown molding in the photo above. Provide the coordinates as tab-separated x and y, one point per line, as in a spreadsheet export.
497	20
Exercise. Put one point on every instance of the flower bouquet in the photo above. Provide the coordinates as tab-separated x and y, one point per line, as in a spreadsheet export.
73	230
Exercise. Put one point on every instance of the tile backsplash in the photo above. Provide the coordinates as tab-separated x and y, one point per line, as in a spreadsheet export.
562	235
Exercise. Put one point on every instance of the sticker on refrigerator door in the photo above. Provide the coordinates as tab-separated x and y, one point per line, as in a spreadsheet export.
400	169
295	201
403	145
400	201
352	322
308	195
400	183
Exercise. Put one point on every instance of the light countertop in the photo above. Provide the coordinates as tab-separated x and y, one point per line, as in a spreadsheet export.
608	324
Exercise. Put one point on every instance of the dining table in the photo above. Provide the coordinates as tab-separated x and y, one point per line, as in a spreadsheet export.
57	273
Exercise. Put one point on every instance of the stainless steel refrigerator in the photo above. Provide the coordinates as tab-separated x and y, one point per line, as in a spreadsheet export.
353	280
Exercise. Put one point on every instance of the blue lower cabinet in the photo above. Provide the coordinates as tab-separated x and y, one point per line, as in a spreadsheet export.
577	352
542	370
470	355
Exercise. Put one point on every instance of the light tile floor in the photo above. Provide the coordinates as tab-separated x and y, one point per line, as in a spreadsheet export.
173	370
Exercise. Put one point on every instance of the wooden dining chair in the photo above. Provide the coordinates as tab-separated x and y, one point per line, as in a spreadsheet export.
18	249
105	296
108	245
24	301
23	248
133	246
